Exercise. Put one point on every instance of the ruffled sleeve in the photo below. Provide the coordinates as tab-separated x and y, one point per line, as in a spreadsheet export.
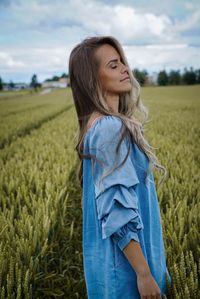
116	199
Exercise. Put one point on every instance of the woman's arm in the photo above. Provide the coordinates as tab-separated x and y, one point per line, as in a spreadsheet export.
147	286
133	253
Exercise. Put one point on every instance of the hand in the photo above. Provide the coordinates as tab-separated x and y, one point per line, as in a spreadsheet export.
148	287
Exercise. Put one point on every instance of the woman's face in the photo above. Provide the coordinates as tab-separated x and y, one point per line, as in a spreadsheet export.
113	74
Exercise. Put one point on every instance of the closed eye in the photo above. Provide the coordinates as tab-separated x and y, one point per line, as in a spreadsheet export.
115	66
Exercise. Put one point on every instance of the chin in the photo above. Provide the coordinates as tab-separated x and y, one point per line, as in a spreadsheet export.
128	89
124	91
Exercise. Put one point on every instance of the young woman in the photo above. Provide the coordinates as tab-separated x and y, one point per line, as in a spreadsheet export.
123	249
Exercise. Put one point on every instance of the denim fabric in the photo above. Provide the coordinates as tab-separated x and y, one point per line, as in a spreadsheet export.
121	208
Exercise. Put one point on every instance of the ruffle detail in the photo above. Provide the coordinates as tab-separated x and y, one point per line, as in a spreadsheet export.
124	236
115	195
117	207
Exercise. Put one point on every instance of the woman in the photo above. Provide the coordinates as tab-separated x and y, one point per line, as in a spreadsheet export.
123	250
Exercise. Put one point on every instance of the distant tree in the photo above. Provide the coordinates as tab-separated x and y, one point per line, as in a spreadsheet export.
55	78
140	76
34	82
11	84
197	76
1	84
189	76
174	77
162	78
64	75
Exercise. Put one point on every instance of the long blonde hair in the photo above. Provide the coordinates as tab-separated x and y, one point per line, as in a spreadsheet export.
88	97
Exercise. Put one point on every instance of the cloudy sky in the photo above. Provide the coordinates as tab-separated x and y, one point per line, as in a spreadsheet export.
36	36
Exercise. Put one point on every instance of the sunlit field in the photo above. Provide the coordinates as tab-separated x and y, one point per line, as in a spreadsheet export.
40	199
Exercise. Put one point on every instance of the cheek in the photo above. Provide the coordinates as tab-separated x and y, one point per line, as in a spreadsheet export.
109	80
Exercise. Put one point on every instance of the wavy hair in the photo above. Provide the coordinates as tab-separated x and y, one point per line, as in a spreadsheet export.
89	97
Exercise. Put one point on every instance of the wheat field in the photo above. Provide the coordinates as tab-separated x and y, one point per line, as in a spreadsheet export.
40	199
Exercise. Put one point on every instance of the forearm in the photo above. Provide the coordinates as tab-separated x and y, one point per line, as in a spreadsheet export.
134	254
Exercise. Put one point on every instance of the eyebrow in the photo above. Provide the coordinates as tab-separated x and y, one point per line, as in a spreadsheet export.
113	60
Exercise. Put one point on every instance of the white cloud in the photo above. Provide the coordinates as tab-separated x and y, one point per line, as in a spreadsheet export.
46	32
7	62
46	62
40	60
129	25
190	5
122	21
191	22
156	57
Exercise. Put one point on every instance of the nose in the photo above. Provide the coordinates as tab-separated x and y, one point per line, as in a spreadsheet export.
124	68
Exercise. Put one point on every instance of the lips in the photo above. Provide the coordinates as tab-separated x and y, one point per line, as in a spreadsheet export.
125	79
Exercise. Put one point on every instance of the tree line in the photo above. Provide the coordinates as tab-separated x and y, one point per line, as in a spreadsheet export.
173	77
34	82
